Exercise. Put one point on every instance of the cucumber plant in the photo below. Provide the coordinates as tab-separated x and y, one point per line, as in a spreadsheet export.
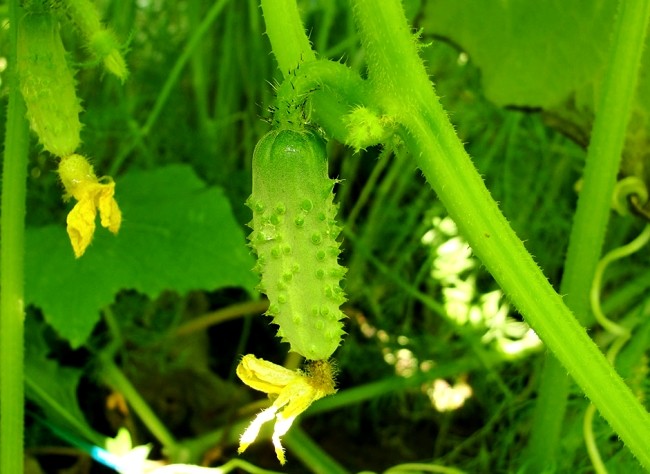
397	93
399	88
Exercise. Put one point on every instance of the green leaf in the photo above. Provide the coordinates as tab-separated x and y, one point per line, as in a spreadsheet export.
549	55
177	234
54	387
532	54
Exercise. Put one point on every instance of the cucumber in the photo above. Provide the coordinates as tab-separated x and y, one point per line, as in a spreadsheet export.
294	237
47	84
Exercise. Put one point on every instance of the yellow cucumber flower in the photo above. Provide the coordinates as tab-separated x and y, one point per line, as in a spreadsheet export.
292	392
91	193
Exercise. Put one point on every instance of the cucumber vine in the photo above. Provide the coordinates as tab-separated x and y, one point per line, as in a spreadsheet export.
401	101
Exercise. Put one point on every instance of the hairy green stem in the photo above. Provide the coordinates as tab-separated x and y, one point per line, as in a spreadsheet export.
85	15
12	236
405	92
288	39
333	89
592	215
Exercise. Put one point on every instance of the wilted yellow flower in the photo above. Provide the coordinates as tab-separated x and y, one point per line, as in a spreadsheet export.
292	391
91	193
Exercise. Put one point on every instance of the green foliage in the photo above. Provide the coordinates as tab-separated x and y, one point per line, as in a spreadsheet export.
563	76
499	35
54	386
167	300
164	210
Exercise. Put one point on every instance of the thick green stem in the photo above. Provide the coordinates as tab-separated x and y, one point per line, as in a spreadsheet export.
333	88
592	214
12	233
405	92
288	39
85	15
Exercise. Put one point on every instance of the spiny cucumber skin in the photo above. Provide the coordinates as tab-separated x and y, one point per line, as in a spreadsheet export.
294	236
47	84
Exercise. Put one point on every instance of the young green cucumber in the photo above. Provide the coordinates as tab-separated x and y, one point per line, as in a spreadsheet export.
294	236
100	41
47	84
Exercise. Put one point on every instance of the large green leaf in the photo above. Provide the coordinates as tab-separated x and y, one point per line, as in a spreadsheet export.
177	234
532	54
548	55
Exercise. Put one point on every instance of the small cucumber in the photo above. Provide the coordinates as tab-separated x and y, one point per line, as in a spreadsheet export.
100	41
47	84
294	236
